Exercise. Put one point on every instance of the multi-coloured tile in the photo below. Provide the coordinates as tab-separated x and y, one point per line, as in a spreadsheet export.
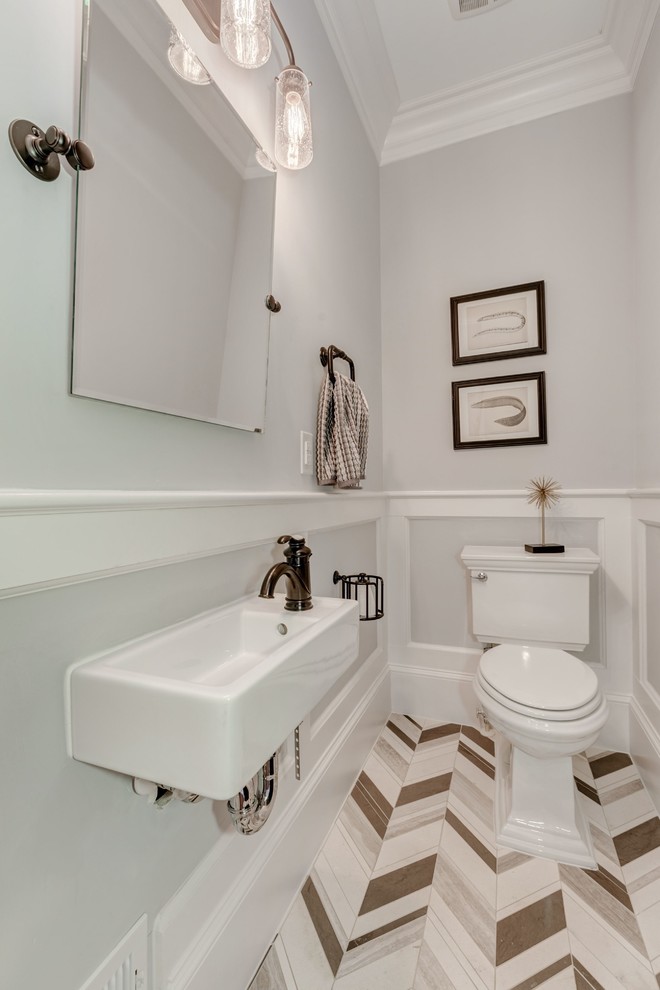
464	919
411	892
275	971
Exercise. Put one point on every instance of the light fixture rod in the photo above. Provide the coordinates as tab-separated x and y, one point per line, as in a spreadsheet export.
285	36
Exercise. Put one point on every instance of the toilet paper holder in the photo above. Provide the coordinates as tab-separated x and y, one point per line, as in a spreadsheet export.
366	589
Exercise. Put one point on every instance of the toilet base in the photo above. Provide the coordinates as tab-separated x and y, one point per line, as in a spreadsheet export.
537	807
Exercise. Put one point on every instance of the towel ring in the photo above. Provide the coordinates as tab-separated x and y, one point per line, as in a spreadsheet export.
328	353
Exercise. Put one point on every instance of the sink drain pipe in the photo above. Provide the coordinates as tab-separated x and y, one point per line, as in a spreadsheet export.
251	807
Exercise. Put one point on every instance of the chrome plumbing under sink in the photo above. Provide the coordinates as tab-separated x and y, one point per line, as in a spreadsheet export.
201	705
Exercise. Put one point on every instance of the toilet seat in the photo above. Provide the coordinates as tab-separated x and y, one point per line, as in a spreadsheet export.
539	682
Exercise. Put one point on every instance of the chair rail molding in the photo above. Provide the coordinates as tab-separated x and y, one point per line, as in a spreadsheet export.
51	538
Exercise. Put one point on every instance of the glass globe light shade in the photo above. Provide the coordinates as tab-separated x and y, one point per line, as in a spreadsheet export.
293	121
245	32
184	61
264	159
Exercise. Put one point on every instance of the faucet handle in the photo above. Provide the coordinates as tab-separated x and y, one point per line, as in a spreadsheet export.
297	550
295	541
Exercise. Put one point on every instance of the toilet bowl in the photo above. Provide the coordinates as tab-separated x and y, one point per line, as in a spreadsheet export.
544	704
547	707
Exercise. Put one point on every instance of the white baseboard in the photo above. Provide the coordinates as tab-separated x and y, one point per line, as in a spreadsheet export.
230	941
447	695
645	750
440	694
615	733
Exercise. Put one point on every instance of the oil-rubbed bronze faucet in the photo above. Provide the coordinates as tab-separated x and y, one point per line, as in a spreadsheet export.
296	571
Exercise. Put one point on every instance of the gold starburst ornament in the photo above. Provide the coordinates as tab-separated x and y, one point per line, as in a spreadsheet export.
543	493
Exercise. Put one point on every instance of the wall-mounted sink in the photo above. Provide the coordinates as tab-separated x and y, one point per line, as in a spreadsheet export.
202	705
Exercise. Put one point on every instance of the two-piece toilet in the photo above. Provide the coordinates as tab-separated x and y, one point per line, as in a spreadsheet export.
545	704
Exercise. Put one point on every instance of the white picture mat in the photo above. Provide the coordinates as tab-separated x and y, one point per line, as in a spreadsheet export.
478	424
488	324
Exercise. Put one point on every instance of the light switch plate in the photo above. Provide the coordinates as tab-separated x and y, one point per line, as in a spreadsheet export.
306	453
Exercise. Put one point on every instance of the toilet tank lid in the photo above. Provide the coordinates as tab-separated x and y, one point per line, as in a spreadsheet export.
539	677
578	560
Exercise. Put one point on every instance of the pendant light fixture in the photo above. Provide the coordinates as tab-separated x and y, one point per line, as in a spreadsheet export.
245	32
245	39
293	127
293	120
184	61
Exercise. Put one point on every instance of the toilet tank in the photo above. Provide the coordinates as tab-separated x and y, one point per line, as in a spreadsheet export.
534	599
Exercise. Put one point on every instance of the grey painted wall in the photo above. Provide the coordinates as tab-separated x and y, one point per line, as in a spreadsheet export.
80	854
326	275
549	200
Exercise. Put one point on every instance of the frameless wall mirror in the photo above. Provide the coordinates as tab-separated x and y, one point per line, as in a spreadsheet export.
174	235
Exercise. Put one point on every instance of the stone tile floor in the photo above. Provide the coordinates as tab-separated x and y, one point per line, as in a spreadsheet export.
411	892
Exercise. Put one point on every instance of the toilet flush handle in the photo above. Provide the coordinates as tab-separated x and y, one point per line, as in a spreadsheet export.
480	576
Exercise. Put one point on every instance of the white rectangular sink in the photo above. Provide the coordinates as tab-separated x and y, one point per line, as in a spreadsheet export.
203	704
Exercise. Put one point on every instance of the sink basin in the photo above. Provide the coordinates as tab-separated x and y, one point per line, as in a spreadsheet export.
203	704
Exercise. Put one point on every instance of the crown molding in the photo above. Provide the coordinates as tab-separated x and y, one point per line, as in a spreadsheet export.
561	81
627	29
597	69
355	35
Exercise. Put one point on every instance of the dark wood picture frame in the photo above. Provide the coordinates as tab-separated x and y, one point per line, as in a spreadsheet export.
507	411
498	323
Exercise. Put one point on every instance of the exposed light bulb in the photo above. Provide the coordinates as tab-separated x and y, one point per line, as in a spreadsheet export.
293	124
245	32
184	61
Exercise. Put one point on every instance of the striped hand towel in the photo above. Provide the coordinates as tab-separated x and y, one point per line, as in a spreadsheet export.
342	433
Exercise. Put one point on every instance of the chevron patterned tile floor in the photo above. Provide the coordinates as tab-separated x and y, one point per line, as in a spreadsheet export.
411	892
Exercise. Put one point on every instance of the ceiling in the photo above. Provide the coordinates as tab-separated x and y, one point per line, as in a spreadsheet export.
421	79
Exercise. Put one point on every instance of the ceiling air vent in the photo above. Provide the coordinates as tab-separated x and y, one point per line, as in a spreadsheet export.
467	8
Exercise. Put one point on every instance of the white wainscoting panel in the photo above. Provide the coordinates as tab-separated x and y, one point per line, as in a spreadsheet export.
239	893
102	559
645	749
645	708
215	931
431	651
51	538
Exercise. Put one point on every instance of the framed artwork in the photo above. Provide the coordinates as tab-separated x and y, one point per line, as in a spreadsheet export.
499	412
498	323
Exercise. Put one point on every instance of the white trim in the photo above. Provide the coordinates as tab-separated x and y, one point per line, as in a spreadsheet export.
518	493
445	675
354	32
21	501
612	516
131	953
628	33
55	538
561	81
642	610
584	505
646	725
449	695
603	589
616	731
444	695
642	621
645	749
603	66
318	722
224	934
